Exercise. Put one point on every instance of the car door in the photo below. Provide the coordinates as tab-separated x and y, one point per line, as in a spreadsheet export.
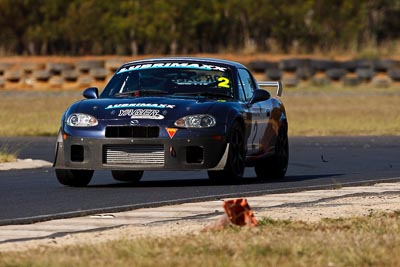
255	127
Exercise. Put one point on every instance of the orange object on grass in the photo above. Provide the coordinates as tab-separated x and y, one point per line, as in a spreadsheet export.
239	212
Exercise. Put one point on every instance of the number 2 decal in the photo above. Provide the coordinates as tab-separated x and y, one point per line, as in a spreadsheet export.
223	82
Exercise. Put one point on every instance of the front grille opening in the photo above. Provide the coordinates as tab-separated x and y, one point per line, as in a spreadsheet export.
77	153
134	155
132	131
194	154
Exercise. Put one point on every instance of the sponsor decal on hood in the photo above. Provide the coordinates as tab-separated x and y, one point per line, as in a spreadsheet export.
139	105
150	114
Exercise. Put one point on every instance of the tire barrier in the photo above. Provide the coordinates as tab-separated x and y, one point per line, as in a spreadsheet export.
365	64
13	76
380	73
29	68
384	65
41	75
273	74
79	73
305	72
262	66
349	65
99	74
293	64
85	66
58	68
394	74
4	67
324	65
365	74
70	75
336	74
381	82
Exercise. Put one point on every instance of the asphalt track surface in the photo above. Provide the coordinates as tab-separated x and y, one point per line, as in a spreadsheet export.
315	162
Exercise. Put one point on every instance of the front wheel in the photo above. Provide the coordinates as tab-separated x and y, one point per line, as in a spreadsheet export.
76	178
235	164
127	176
275	166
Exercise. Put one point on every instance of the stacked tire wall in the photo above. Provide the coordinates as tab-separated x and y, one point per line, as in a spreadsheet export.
78	74
58	75
321	72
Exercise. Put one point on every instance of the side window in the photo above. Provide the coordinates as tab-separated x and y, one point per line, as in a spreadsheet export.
241	94
248	83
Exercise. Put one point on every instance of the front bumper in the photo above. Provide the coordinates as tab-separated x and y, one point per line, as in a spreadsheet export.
93	153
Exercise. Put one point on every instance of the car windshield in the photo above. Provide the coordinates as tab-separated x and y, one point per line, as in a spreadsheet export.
174	79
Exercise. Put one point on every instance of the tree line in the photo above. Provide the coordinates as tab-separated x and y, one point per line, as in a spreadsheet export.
132	27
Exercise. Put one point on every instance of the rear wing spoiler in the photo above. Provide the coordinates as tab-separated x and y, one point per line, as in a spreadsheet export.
278	85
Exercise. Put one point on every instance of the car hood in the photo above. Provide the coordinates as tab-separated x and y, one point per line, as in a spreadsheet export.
151	108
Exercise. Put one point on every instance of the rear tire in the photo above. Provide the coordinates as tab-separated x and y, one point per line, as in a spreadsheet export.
235	164
127	176
75	178
275	167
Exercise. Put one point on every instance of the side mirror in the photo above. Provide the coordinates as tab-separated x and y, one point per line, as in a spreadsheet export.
91	93
260	95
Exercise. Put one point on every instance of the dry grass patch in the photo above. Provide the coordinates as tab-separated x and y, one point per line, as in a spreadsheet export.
343	113
363	241
314	111
7	154
34	113
7	157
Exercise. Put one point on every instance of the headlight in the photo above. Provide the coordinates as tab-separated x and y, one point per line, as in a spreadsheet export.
81	120
196	121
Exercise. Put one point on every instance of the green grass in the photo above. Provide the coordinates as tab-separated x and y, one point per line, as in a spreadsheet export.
312	111
363	241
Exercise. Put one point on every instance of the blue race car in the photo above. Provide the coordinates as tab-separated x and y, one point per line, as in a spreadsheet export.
174	114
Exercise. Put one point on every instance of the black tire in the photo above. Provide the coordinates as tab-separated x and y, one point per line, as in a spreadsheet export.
273	74
383	65
57	68
70	75
336	74
4	67
112	65
293	64
261	65
99	74
364	64
394	74
127	176
365	74
275	167
235	164
323	65
304	73
13	75
350	65
76	178
86	65
41	75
